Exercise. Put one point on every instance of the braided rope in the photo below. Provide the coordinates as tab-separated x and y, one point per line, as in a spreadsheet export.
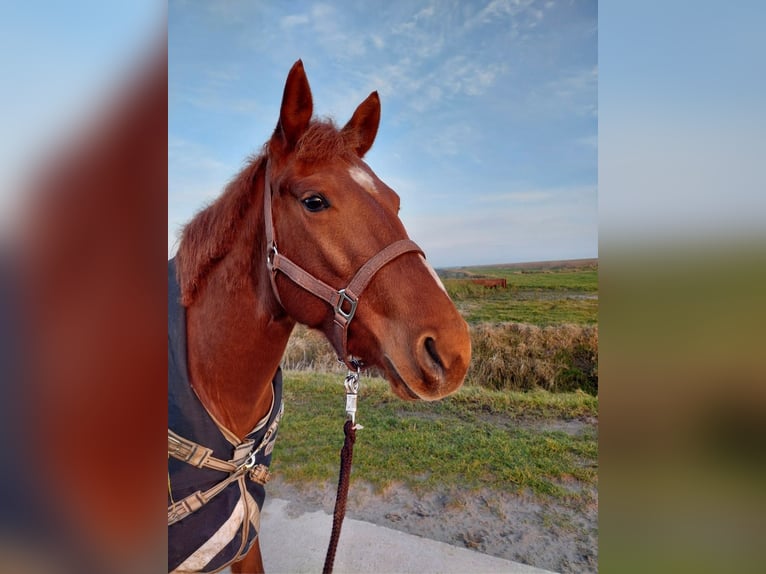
346	454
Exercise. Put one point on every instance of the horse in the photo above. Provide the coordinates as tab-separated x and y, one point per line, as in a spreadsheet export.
305	233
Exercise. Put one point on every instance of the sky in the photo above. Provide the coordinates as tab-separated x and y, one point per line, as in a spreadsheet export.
489	111
681	122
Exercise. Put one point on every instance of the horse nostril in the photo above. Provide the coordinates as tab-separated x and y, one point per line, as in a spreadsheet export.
430	345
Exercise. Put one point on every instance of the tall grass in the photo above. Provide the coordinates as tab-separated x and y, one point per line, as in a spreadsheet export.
505	356
308	350
515	356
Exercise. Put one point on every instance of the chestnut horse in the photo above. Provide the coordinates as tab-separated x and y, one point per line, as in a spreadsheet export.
308	233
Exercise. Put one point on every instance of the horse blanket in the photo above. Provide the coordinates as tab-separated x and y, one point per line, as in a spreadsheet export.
222	530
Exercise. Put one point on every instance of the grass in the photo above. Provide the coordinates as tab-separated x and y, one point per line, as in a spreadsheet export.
574	279
542	296
476	438
516	356
507	305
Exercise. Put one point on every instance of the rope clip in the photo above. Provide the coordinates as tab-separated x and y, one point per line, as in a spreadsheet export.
352	392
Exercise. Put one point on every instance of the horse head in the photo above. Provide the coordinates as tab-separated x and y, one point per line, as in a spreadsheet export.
330	215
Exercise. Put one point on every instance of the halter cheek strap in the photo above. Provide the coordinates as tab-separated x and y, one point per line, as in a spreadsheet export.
343	301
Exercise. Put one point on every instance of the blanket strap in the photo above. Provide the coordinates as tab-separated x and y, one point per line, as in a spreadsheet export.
193	502
200	456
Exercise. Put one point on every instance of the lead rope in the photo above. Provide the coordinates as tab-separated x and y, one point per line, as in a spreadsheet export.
346	454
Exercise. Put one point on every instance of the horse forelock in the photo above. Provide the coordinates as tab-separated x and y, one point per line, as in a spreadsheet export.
323	141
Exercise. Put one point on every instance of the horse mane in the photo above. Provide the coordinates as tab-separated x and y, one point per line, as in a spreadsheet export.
211	233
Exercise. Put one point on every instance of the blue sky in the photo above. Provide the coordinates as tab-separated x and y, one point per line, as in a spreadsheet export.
489	121
681	122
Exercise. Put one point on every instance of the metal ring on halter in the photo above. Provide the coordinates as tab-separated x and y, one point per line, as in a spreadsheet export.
271	253
352	364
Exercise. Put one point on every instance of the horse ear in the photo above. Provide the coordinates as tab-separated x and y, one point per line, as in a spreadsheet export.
364	123
297	107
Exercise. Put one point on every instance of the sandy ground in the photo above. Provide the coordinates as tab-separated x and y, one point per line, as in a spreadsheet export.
521	528
298	546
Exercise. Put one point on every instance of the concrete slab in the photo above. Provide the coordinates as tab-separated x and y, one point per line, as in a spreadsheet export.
298	545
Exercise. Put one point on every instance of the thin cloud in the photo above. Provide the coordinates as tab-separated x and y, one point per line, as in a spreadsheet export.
184	153
500	9
294	20
412	23
563	194
230	11
332	35
463	76
573	83
451	140
209	100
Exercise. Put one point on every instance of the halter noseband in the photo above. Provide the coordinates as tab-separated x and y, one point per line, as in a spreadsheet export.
343	301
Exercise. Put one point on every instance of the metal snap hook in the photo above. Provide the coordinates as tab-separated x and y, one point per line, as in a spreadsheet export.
351	383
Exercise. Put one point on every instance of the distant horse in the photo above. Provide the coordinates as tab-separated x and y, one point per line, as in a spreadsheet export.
305	233
490	283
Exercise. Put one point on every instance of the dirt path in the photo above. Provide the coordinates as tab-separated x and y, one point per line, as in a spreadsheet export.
522	528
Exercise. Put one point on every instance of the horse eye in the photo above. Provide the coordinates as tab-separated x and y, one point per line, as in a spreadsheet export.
315	203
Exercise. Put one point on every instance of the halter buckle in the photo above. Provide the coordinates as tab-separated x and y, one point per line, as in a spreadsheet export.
339	310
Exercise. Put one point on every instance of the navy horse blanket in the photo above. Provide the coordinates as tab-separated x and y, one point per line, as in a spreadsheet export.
220	531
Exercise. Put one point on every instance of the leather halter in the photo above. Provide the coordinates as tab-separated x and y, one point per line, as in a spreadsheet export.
343	301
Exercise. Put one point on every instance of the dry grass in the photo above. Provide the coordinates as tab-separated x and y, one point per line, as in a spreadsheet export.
516	356
506	356
308	350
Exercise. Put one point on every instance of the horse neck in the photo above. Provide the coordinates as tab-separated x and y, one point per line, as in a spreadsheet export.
237	333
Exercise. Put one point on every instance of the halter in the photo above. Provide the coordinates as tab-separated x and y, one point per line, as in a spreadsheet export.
343	301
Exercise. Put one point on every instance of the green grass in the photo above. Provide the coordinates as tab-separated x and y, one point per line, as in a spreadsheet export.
507	305
578	279
474	439
534	296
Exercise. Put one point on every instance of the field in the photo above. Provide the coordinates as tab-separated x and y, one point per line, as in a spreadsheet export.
546	294
517	445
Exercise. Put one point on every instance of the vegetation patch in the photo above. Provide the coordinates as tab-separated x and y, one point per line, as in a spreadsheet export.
526	357
474	439
544	296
